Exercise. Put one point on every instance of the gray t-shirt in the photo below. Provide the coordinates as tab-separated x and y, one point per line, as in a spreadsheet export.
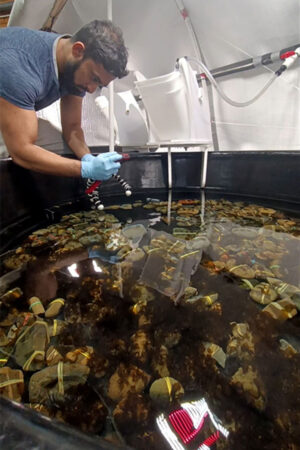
28	70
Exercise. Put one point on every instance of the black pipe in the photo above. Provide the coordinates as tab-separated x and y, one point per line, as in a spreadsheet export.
250	63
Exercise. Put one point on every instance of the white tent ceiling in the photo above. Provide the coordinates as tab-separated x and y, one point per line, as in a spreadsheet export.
156	35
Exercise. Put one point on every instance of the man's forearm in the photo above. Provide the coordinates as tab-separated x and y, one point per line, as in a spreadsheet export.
76	142
38	159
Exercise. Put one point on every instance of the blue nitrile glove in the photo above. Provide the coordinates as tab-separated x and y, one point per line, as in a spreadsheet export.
87	157
100	167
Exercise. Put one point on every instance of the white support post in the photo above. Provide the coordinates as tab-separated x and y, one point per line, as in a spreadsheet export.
204	168
111	95
169	168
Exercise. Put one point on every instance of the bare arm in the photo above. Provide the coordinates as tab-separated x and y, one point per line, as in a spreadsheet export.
19	128
71	108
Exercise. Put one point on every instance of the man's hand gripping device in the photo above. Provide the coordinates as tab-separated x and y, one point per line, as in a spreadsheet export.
92	186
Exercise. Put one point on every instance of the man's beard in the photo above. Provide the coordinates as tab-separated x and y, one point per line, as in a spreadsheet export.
66	79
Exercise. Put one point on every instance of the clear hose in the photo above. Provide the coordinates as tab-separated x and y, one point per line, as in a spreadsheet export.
224	96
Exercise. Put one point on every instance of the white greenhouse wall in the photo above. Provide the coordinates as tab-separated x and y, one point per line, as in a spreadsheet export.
227	32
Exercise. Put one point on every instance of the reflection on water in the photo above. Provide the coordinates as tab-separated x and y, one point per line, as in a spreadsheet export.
112	319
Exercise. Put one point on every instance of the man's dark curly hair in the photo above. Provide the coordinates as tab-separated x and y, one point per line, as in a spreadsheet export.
104	43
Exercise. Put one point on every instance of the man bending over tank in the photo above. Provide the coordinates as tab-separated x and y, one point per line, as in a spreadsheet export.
37	68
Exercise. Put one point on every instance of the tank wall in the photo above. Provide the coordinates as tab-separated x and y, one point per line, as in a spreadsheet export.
26	196
23	428
265	174
26	192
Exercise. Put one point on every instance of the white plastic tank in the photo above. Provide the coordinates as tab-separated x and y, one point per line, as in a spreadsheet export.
132	126
176	111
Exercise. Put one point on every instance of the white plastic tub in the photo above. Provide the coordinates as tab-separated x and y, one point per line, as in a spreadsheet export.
165	100
175	112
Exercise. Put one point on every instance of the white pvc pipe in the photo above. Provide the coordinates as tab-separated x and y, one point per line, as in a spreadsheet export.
195	43
169	168
193	37
109	9
187	21
111	94
204	168
111	117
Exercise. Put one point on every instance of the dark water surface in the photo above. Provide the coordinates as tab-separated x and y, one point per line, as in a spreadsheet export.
204	298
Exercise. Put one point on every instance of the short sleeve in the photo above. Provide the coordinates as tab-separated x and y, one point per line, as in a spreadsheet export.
17	85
